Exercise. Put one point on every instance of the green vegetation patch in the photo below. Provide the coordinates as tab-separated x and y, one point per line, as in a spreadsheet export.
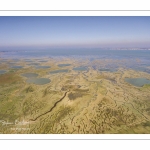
68	87
146	86
81	90
29	89
11	110
9	78
145	124
73	96
102	90
47	91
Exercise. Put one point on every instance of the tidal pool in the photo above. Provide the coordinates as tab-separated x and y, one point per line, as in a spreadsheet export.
59	71
32	64
2	71
12	63
104	69
82	68
28	60
137	81
63	65
42	60
108	69
38	81
30	75
15	60
16	67
42	67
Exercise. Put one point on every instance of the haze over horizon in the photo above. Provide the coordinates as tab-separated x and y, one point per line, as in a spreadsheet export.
74	32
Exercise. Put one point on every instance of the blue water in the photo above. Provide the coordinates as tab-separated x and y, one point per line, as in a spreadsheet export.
118	54
17	67
108	69
33	64
42	67
81	68
42	60
59	71
2	71
63	65
28	60
134	59
137	81
30	75
38	81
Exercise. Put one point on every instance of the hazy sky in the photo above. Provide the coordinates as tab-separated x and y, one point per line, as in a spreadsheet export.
74	32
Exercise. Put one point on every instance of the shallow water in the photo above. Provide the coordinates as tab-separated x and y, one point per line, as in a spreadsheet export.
129	59
42	67
82	68
16	67
63	65
137	81
2	71
32	64
11	63
28	60
30	75
42	60
108	69
140	68
38	81
59	71
118	54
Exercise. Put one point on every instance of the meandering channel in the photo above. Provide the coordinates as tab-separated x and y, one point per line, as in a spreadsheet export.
51	108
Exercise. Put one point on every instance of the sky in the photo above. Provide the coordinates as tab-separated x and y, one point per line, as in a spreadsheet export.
42	32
